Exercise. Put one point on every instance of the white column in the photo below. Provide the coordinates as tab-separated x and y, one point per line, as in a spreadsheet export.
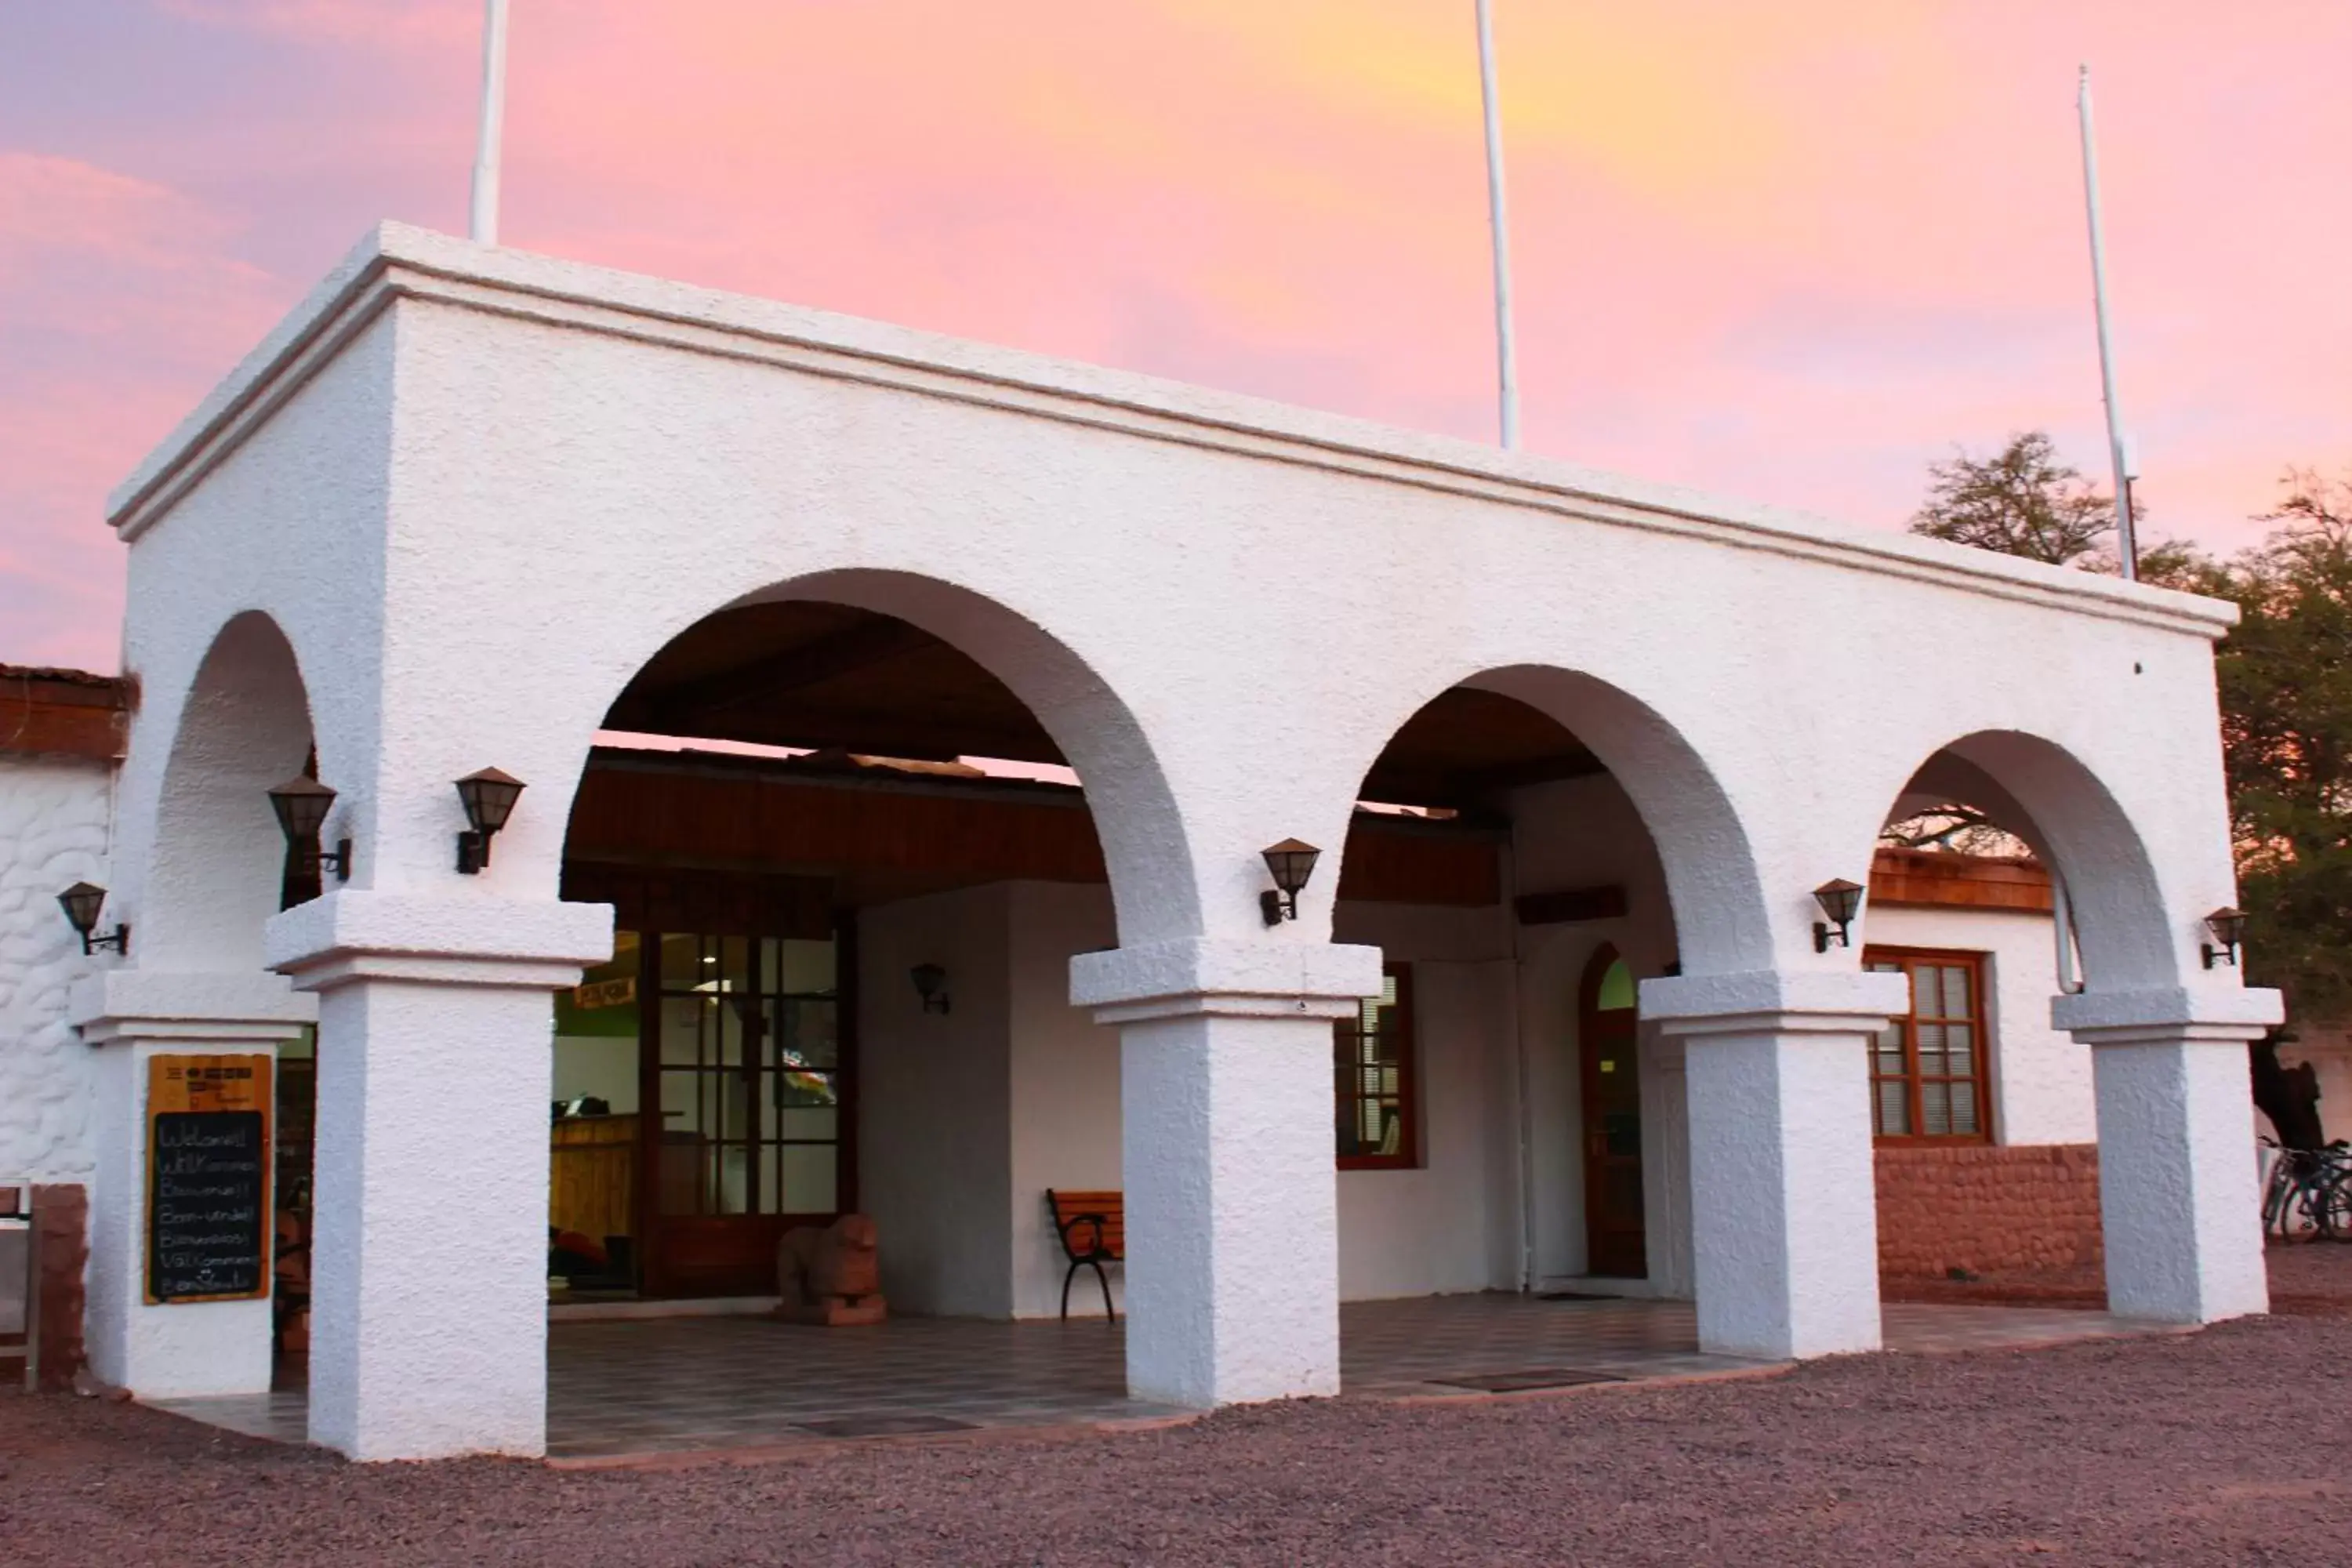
1784	1218
1233	1271
183	1349
2179	1207
428	1291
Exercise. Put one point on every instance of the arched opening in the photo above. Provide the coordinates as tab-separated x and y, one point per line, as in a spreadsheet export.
1567	842
220	867
2005	874
853	832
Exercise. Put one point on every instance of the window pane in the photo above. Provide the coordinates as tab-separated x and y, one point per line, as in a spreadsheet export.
808	1174
1958	1043
1957	1001
1936	1109
1894	1109
1617	989
808	968
687	961
1964	1108
682	1019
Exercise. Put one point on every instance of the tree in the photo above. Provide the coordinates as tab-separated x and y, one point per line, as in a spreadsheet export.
2022	501
2286	678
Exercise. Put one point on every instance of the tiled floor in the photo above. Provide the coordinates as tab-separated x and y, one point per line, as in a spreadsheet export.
677	1385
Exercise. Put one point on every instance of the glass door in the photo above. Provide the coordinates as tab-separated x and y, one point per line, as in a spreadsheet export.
747	1070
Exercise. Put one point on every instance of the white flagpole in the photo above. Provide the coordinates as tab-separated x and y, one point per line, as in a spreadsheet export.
1506	369
485	217
2118	446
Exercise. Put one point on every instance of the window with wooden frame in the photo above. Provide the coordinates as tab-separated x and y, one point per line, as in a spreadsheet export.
1372	1054
1927	1069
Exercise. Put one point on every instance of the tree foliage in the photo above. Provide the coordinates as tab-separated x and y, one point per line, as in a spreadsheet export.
2286	678
2021	500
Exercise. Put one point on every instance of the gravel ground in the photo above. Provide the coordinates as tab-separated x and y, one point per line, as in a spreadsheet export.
2227	1446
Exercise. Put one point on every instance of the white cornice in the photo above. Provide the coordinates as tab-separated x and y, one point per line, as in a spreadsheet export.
399	261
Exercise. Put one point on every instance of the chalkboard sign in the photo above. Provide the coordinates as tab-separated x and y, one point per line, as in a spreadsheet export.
208	1165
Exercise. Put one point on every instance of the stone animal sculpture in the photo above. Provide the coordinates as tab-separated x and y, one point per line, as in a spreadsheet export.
830	1275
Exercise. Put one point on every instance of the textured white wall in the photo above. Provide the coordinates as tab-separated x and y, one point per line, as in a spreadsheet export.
1064	1101
933	1147
2042	1075
54	823
1453	1223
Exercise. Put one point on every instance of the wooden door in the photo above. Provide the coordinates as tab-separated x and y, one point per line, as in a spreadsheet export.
1615	1246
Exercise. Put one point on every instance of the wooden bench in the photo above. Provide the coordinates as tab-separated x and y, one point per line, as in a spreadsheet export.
1093	1228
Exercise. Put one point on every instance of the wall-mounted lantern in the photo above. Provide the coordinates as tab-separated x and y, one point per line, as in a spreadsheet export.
489	796
2229	929
932	986
81	903
1841	901
1290	863
301	804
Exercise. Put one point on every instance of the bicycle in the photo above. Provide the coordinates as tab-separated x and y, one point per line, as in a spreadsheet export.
2309	1195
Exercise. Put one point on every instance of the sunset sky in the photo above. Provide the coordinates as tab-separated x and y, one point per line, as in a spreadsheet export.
1792	252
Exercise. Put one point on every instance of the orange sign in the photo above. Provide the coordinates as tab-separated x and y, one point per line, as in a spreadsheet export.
209	1154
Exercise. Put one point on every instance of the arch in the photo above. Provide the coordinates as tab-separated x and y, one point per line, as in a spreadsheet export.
1598	991
1144	840
218	858
1720	915
2046	795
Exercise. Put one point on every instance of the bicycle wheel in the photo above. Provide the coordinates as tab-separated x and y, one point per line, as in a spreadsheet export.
2331	1208
2302	1209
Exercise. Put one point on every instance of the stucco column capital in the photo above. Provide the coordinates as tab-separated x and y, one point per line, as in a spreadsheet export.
349	935
1203	975
195	1010
1775	1002
2224	1015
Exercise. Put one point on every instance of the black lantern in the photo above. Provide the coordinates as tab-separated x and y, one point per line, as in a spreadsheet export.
301	804
932	986
489	796
2229	929
1841	901
81	903
1290	863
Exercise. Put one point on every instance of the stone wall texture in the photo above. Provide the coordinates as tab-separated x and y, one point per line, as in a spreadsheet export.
53	834
2019	1210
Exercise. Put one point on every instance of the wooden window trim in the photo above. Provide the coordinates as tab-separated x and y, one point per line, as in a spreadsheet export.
1407	1154
1982	1075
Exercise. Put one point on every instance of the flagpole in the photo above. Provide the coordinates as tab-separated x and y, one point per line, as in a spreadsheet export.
2118	446
484	228
1507	370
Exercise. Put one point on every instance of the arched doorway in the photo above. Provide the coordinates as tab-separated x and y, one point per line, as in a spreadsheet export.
1529	1167
848	865
1615	1228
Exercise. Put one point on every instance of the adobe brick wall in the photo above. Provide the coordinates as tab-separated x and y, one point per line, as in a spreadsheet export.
2019	1211
61	1261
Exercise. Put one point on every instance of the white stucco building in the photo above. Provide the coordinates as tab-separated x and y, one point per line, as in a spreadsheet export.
469	508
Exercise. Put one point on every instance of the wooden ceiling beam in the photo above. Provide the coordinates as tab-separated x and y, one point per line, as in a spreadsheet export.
845	652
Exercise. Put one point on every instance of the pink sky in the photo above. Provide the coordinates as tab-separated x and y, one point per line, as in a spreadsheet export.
1791	253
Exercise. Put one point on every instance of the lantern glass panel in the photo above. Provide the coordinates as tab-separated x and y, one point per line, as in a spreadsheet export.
1291	863
83	902
489	797
1838	900
301	804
